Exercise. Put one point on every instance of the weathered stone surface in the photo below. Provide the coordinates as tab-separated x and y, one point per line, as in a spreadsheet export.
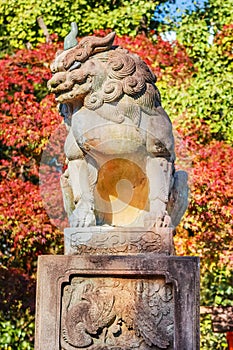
117	302
119	240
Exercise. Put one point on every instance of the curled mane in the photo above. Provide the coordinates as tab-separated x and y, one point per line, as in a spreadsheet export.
96	73
127	75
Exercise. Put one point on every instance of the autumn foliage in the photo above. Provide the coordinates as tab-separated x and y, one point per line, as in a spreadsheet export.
224	40
28	117
207	228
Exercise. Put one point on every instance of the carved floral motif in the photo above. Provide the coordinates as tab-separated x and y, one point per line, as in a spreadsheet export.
148	242
104	240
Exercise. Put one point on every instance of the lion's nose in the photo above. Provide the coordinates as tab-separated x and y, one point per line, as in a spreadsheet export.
56	80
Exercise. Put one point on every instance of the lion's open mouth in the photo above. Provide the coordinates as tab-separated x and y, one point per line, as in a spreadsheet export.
64	96
70	95
70	85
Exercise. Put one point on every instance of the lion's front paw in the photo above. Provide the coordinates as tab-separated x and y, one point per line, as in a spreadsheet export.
82	216
164	221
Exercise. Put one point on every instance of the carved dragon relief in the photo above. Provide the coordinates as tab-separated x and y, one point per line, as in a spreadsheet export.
112	109
117	314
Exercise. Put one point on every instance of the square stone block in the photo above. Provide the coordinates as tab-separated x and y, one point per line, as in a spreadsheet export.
117	302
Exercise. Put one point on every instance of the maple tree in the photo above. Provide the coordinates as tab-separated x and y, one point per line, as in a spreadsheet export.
28	117
207	226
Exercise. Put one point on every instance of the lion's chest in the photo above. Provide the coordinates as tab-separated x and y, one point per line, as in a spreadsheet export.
93	133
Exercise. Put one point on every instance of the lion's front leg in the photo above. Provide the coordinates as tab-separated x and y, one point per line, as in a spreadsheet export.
67	193
82	181
159	172
77	185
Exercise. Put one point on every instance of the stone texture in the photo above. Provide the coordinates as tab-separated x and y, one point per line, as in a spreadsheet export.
119	240
117	302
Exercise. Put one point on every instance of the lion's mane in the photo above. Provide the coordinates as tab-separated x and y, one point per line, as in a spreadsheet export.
108	77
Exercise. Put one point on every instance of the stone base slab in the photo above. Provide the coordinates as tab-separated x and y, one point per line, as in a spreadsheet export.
117	302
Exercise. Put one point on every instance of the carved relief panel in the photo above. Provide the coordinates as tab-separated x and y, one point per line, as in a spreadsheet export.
117	314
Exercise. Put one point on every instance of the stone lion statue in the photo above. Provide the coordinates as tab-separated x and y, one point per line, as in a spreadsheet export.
120	145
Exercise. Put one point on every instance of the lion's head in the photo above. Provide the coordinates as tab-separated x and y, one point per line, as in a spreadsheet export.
94	73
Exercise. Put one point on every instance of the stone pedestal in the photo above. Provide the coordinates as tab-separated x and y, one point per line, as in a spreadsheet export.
118	302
